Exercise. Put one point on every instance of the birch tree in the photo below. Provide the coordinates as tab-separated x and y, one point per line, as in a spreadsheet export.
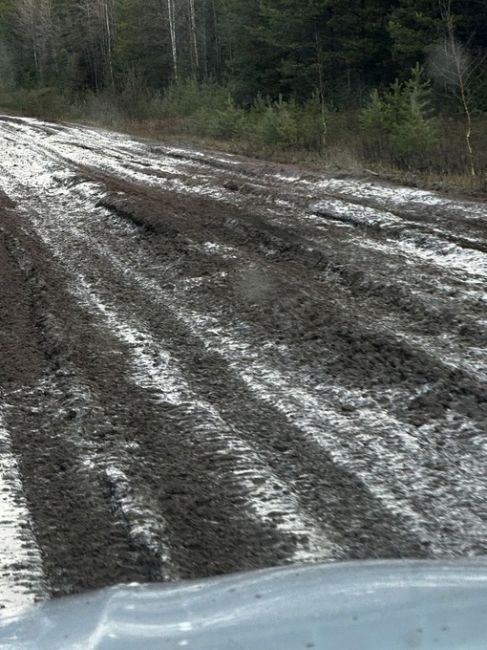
172	33
195	60
107	10
457	69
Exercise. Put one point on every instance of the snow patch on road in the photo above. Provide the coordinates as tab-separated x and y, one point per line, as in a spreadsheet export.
385	453
21	576
388	455
396	195
408	239
378	448
146	526
224	250
95	150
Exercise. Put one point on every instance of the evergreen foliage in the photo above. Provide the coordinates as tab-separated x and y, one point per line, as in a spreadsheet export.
398	121
272	72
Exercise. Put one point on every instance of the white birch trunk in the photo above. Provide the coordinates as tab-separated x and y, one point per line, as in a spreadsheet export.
109	46
194	39
172	32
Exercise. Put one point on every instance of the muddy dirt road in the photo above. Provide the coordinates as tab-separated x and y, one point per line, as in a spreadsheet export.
211	364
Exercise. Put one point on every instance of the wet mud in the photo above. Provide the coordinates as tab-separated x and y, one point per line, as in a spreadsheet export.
211	364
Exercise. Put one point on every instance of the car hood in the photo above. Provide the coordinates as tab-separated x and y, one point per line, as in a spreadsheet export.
349	606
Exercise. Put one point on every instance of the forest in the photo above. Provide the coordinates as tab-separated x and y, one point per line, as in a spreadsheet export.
398	83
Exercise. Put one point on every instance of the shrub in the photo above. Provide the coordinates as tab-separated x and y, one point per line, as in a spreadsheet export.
188	98
277	127
210	110
311	130
398	122
133	101
48	103
99	108
226	122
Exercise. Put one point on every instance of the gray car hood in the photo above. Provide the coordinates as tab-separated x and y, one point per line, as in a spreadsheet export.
352	606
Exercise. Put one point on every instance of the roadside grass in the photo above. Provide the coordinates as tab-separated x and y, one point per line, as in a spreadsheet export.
344	153
279	131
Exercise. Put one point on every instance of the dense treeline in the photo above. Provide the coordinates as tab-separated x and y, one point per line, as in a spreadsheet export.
270	47
268	54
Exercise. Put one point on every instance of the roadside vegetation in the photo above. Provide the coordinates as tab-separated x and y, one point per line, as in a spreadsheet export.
393	87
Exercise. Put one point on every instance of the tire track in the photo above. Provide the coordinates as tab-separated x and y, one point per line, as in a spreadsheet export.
99	474
22	579
267	498
379	540
266	509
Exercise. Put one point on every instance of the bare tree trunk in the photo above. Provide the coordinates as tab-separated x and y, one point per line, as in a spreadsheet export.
89	12
194	40
109	47
172	33
461	76
217	38
44	31
321	82
204	45
466	108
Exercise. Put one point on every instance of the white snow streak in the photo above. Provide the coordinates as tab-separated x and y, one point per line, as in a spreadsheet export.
368	442
268	498
387	454
21	578
425	246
